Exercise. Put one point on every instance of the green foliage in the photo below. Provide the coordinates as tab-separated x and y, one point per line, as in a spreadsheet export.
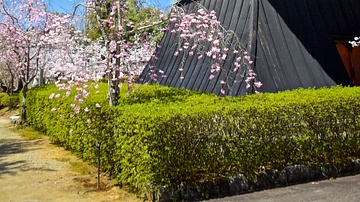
163	136
138	12
10	101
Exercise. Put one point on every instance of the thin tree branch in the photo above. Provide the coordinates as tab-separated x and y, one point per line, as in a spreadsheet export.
13	19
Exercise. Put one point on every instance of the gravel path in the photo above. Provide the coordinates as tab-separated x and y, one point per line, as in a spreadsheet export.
35	170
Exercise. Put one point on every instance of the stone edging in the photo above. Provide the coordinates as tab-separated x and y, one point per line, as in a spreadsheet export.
239	184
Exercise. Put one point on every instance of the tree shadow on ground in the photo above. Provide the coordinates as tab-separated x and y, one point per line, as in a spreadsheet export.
11	166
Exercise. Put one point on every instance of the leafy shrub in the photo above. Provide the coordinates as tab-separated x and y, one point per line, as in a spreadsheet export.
10	101
162	137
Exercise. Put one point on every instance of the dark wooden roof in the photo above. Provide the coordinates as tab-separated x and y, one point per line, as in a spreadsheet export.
292	44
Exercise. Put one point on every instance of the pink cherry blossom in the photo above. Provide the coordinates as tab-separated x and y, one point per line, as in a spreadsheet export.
51	95
258	84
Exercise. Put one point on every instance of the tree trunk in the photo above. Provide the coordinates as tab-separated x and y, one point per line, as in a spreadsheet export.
23	106
113	90
41	77
114	93
11	87
19	85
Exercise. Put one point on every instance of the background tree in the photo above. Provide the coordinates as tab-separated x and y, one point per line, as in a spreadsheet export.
128	42
27	28
40	40
138	12
197	29
9	76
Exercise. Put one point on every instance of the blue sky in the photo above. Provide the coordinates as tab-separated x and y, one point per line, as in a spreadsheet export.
66	6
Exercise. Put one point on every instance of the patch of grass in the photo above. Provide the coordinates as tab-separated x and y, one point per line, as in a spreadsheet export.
63	159
4	110
81	168
29	133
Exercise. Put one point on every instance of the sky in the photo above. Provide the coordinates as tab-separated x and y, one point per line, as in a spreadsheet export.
66	6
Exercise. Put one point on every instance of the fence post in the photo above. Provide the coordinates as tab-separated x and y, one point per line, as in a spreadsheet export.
98	177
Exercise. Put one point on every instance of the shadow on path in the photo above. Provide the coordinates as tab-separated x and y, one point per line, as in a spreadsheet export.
13	156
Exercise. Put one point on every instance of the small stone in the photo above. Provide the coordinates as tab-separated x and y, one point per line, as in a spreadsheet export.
298	173
238	184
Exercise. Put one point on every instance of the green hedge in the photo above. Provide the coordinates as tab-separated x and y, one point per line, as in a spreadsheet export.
7	100
163	136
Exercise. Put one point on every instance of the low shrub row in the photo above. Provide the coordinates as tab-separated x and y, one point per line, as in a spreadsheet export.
10	101
161	137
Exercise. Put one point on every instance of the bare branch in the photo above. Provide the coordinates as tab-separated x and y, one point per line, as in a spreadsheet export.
13	19
145	27
76	7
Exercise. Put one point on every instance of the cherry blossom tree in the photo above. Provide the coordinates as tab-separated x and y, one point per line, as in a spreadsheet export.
35	41
200	34
27	29
196	30
38	41
80	64
127	48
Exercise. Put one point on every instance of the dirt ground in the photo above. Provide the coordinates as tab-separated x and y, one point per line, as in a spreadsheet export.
36	170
